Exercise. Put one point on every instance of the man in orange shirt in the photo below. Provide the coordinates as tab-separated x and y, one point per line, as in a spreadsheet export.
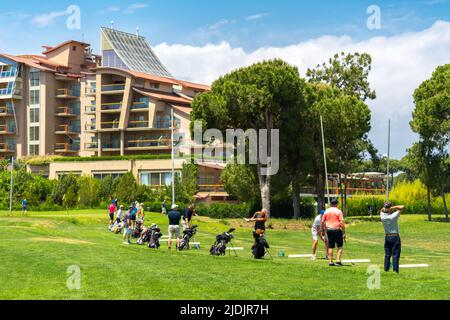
333	223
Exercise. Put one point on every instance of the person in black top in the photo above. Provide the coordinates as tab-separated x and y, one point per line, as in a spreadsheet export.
174	225
188	214
260	218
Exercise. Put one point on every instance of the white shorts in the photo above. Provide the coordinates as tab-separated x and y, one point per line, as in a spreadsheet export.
174	230
315	234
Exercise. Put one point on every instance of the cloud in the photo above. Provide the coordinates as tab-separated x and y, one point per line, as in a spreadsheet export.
134	7
114	9
46	19
257	16
400	64
217	25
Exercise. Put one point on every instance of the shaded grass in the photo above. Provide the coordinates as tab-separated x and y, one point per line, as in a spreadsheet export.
109	270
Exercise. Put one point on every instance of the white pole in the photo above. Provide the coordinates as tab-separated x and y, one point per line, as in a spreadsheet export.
173	155
325	161
11	187
388	159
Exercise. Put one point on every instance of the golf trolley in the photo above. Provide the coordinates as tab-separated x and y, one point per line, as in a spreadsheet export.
220	246
261	247
189	234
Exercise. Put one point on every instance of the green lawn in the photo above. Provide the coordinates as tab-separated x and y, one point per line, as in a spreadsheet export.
36	250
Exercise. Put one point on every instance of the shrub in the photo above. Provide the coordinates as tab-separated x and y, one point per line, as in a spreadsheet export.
89	193
224	210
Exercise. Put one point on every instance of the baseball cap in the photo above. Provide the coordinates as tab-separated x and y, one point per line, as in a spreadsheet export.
174	206
388	205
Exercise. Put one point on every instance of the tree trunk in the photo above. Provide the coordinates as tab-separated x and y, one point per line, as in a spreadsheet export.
320	190
296	199
429	202
445	204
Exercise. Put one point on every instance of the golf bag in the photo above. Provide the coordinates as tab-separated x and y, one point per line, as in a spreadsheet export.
260	246
188	234
116	227
155	234
220	246
145	236
137	230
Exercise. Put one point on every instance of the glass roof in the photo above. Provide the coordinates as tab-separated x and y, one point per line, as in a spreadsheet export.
135	52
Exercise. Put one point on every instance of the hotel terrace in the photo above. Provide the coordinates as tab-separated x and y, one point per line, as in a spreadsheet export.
71	102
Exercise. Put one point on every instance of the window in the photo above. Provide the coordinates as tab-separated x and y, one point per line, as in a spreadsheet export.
34	115
34	150
157	179
35	78
154	85
34	97
74	48
103	175
34	133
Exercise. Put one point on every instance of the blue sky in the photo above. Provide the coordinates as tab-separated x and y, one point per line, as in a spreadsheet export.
248	24
199	40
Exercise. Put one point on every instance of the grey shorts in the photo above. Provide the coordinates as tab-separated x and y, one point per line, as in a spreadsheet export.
174	230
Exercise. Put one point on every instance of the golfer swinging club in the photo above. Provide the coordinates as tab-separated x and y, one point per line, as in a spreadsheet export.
260	219
392	245
333	223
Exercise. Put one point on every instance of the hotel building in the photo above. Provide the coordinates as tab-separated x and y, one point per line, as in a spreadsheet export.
71	102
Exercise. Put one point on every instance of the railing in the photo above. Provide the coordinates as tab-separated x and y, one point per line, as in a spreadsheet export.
6	111
111	145
139	105
67	92
8	73
163	124
148	143
90	109
350	191
5	128
66	147
113	87
67	128
91	90
5	147
111	106
91	145
91	126
110	125
210	188
68	111
138	124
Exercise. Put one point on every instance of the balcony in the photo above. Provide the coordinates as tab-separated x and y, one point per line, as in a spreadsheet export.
11	73
67	112
65	93
211	188
6	111
91	146
111	145
138	124
113	88
111	107
148	144
111	125
10	92
139	106
66	148
7	148
90	109
67	129
7	129
91	127
91	90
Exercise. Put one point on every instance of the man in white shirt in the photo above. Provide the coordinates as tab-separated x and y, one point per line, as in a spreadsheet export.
316	232
392	245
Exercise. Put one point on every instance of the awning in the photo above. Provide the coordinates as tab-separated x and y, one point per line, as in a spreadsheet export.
163	96
183	109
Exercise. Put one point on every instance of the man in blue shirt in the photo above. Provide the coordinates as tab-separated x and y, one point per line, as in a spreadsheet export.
174	225
188	214
24	206
392	245
133	214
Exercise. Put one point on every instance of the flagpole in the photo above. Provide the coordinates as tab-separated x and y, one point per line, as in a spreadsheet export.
11	187
388	159
325	160
173	155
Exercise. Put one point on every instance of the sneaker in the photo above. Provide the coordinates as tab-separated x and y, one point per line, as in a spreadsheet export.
339	263
313	258
331	264
126	242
